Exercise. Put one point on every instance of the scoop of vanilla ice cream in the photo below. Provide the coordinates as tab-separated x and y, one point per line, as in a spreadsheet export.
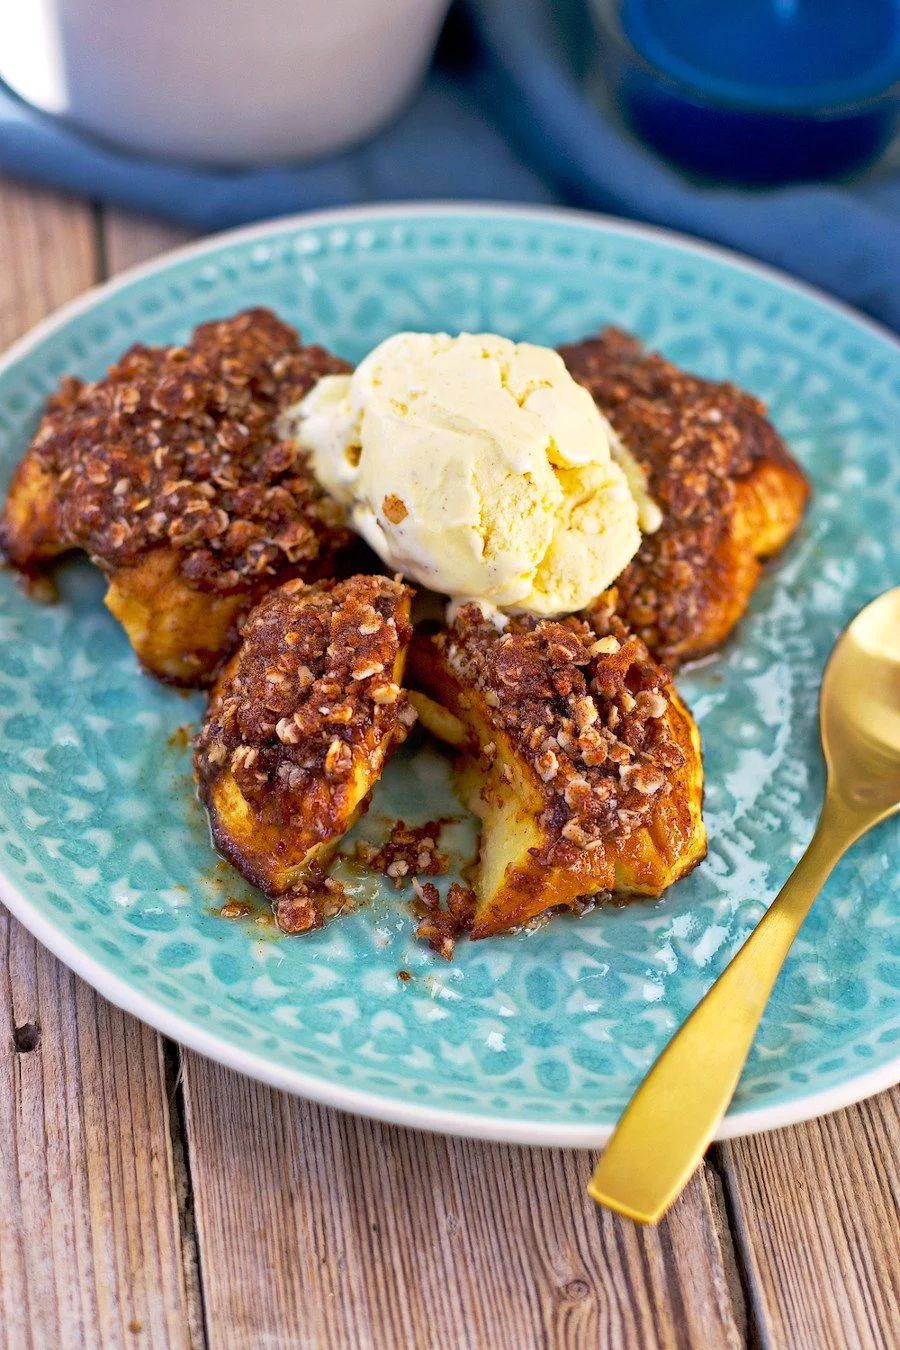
476	466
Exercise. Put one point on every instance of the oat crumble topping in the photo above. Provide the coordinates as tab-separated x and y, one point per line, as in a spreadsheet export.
695	439
178	446
585	707
312	680
394	508
408	851
440	926
310	904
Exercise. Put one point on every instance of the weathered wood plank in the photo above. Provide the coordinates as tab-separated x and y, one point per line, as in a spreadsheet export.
371	1236
128	240
89	1245
48	254
818	1217
89	1233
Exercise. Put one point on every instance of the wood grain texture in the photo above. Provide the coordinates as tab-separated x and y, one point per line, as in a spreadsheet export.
89	1240
818	1222
48	254
318	1229
129	240
89	1236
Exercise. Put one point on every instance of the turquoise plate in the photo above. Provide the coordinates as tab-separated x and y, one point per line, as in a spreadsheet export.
539	1037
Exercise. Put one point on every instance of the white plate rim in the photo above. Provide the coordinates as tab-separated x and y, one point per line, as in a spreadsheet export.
217	1048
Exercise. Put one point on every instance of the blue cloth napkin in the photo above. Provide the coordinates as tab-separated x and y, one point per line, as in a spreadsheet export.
505	115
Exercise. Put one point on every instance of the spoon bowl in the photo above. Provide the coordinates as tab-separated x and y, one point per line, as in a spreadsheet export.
860	710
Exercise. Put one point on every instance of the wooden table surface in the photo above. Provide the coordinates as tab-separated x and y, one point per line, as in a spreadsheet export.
149	1198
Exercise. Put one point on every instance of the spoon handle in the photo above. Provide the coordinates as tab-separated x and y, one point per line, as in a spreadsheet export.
672	1117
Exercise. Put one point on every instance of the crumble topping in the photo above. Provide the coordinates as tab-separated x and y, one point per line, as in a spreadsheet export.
693	438
585	706
312	680
179	446
408	851
440	926
310	904
394	508
235	909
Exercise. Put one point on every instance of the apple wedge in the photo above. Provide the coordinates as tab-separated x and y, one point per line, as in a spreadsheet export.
299	727
578	756
173	474
727	489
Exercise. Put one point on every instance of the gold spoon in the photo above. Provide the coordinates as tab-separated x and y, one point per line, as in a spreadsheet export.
672	1117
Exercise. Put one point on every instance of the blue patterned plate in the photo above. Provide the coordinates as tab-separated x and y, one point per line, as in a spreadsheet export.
535	1038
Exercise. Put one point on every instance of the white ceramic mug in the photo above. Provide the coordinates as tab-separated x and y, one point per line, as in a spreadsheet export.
220	81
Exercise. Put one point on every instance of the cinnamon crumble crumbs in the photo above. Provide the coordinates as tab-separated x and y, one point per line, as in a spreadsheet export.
38	586
585	707
407	852
695	439
312	680
179	446
441	926
310	904
236	909
394	508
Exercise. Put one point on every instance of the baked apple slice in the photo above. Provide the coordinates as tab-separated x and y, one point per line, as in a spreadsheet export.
578	755
171	472
730	493
299	727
